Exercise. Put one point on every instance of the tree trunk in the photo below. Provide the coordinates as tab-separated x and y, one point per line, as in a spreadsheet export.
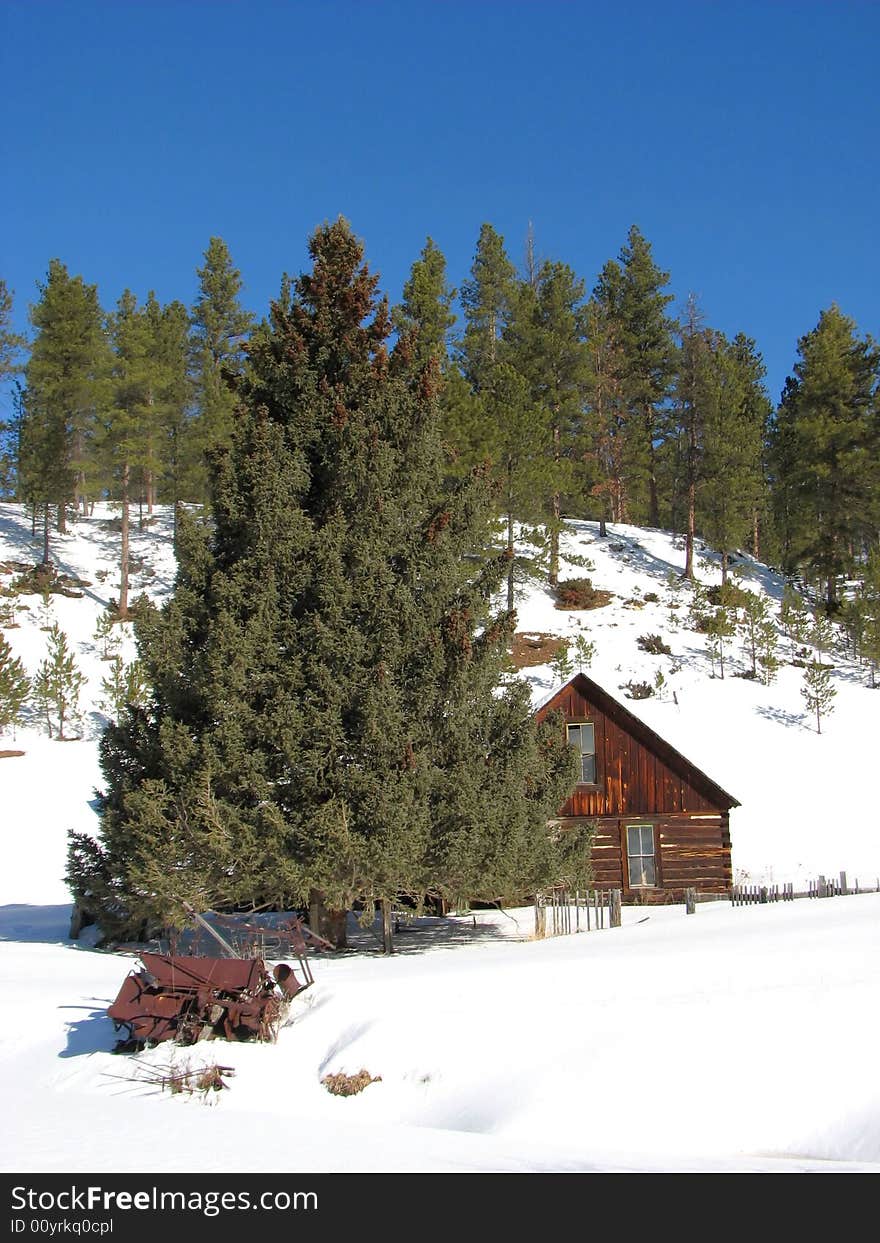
326	923
123	560
387	932
724	564
510	599
557	515
756	536
689	536
46	558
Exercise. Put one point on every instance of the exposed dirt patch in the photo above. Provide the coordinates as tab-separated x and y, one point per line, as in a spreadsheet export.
534	649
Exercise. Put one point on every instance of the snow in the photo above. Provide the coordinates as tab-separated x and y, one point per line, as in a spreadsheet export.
731	1039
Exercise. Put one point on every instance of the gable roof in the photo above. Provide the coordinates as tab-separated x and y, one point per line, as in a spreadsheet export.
637	728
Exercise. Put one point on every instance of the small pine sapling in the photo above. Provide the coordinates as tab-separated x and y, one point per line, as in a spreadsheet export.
47	612
106	635
817	691
562	664
15	687
58	685
794	618
125	686
7	611
768	659
673	583
584	651
720	627
755	615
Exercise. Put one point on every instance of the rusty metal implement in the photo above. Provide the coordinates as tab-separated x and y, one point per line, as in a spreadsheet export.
186	999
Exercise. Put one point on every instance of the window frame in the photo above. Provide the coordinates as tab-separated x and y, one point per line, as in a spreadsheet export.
596	782
654	856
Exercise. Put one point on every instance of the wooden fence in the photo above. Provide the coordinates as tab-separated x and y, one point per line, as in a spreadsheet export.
821	887
576	911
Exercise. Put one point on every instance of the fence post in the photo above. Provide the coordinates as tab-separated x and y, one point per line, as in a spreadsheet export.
690	901
615	908
540	916
843	888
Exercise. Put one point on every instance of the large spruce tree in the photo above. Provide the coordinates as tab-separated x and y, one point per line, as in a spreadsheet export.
327	715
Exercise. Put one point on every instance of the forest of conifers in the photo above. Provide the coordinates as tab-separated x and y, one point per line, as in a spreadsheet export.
593	403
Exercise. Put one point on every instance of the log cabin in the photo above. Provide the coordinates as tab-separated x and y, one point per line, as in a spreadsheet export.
662	825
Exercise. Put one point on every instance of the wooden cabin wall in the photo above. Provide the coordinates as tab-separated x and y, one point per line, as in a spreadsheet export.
632	779
689	854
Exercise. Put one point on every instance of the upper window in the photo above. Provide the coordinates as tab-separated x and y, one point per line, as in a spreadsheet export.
583	738
640	852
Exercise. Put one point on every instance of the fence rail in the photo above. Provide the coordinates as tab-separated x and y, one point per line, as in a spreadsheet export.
576	911
821	887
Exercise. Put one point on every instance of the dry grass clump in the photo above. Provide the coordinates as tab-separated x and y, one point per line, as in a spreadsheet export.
341	1084
579	593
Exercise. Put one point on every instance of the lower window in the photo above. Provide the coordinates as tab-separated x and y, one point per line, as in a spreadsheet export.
640	854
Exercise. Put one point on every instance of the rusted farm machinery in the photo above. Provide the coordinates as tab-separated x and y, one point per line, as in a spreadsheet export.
187	998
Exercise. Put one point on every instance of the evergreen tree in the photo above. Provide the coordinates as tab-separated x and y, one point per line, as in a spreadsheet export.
15	687
58	685
124	686
817	690
12	344
649	362
220	327
426	311
544	341
826	455
696	396
516	435
486	299
129	432
720	626
66	386
603	445
325	718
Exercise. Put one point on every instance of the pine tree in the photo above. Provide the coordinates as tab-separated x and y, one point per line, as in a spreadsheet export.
486	298
649	360
58	685
696	395
220	328
12	345
817	690
124	686
720	626
325	718
66	387
516	435
15	687
426	311
603	446
544	341
826	454
127	431
794	617
107	635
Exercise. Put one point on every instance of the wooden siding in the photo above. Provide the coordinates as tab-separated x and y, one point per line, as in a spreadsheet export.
632	778
689	854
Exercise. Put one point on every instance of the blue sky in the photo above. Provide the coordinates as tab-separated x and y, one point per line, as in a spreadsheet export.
740	137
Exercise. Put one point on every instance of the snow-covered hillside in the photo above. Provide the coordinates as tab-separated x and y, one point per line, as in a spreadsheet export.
803	796
492	1051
